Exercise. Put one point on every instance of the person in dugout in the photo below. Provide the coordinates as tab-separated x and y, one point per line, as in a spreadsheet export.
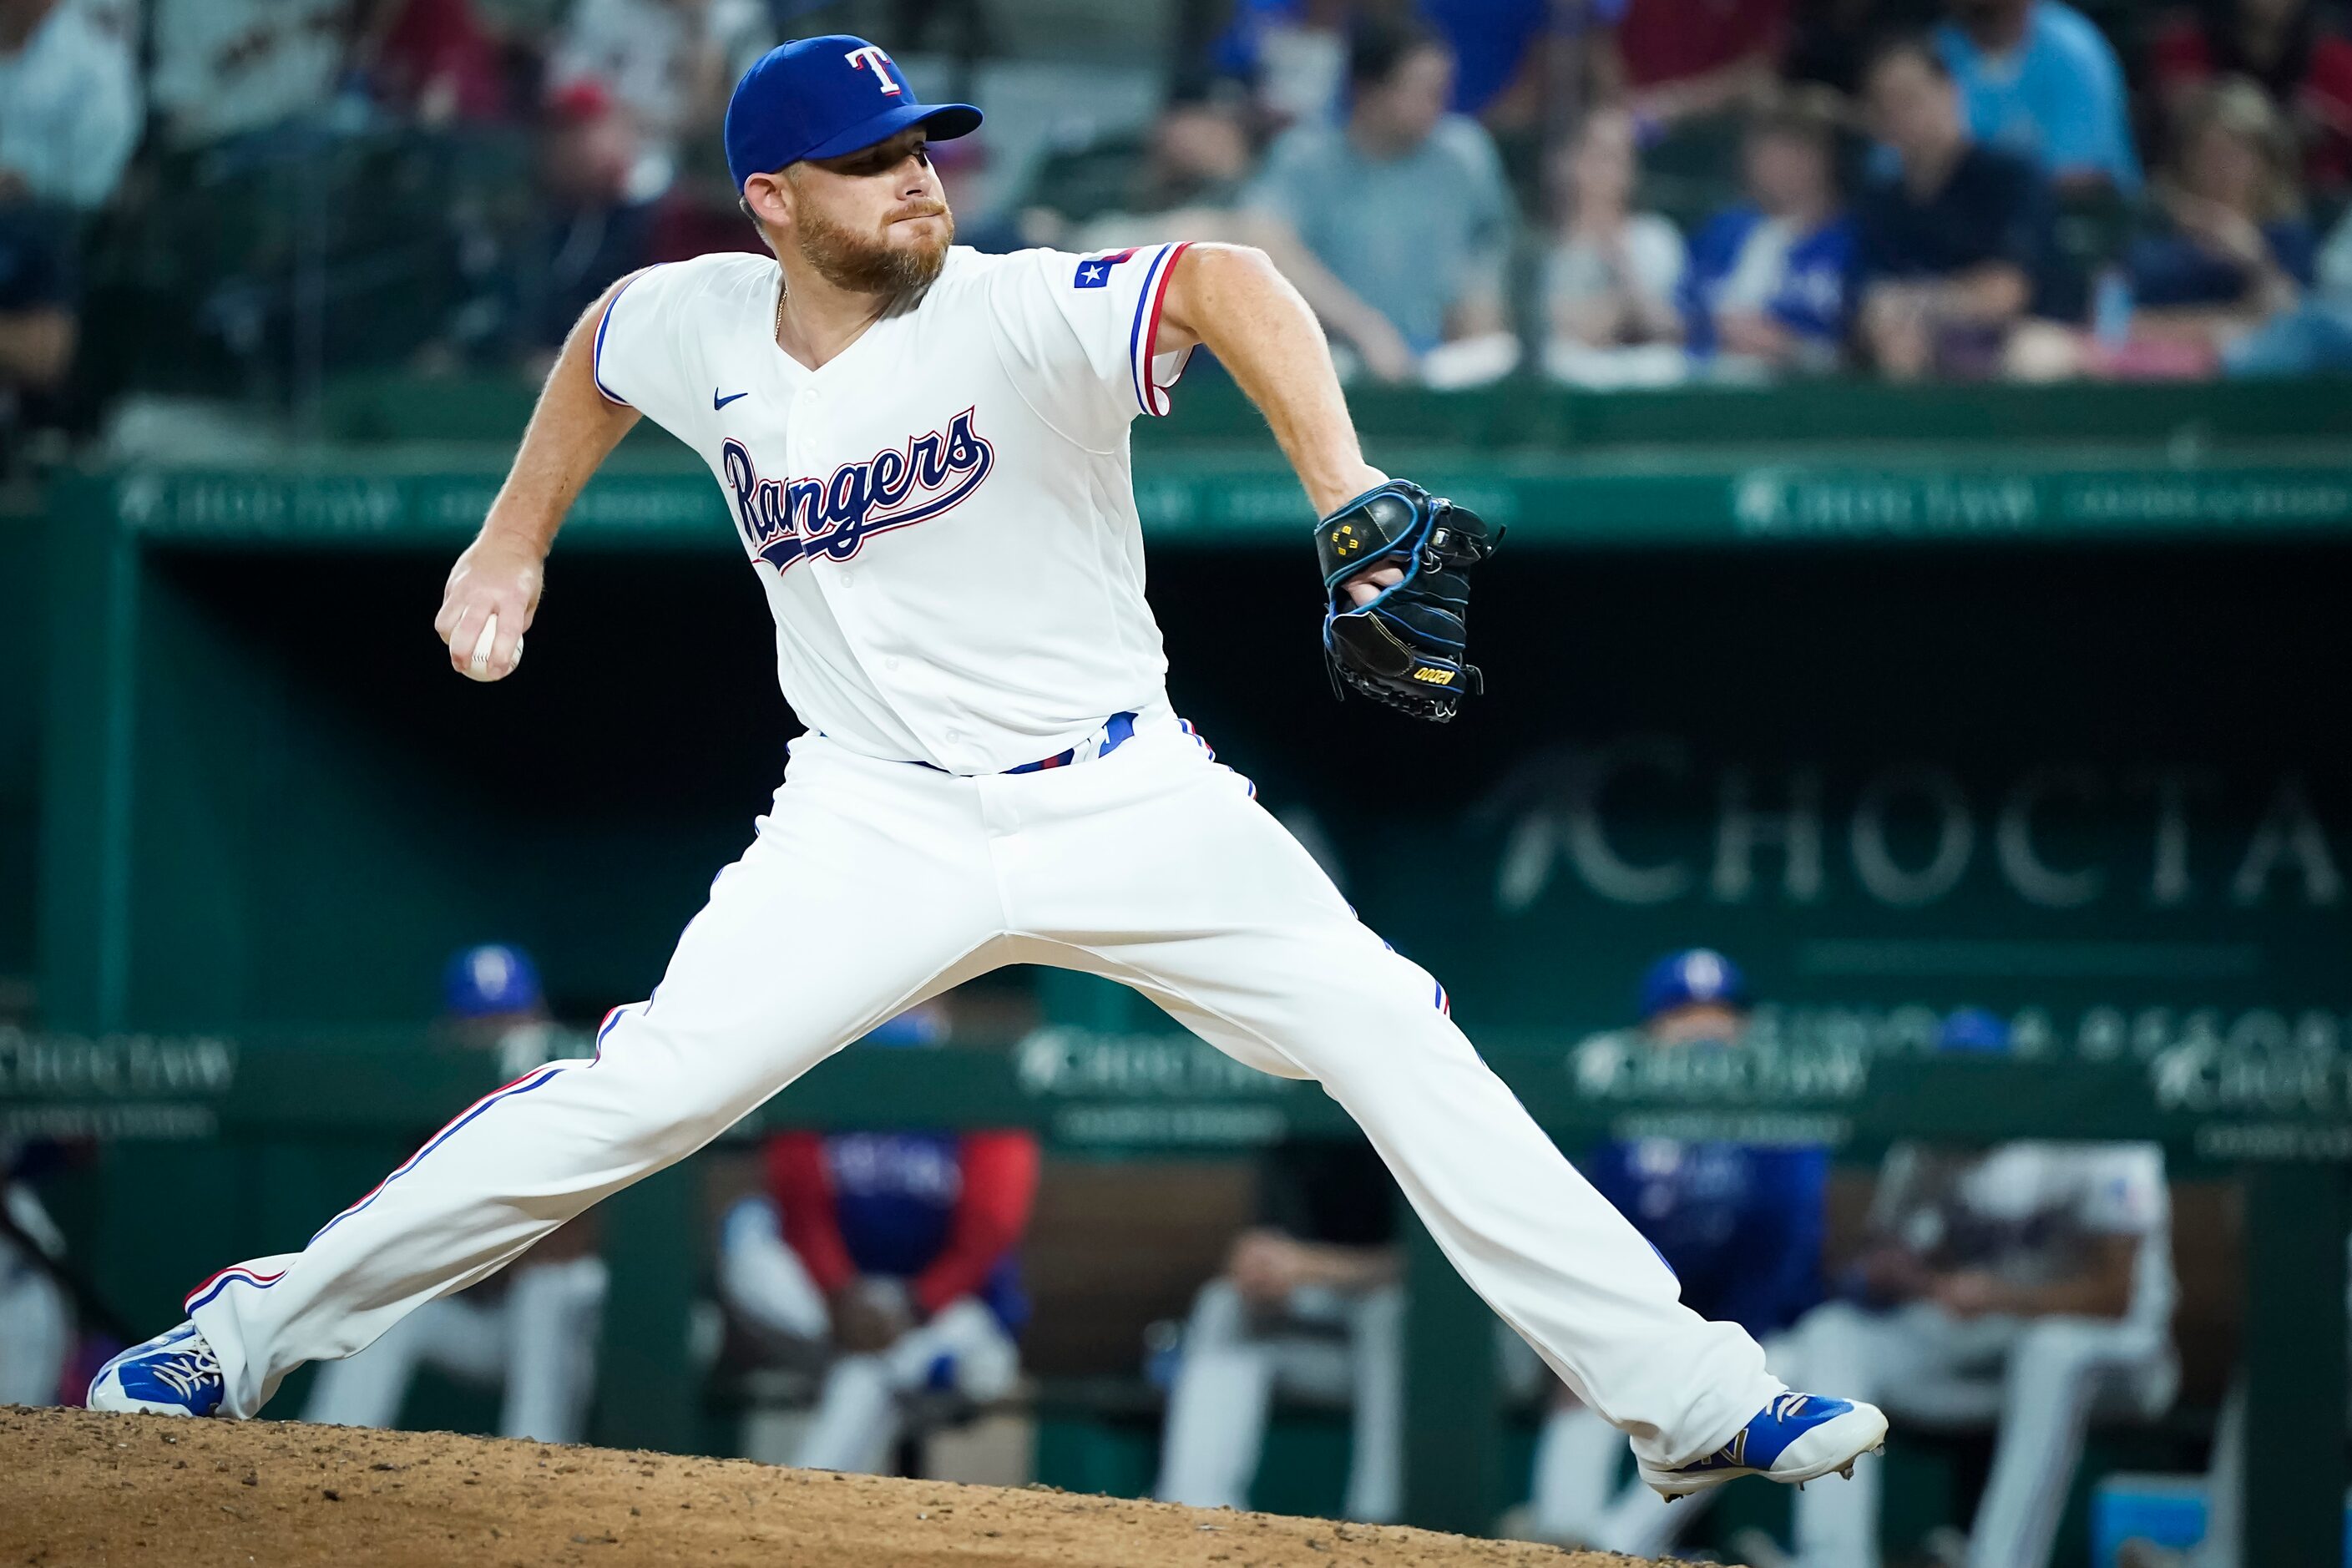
2024	1288
37	1320
1311	1302
529	1332
1740	1223
895	1255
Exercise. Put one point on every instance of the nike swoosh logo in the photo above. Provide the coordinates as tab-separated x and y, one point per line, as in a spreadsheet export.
718	401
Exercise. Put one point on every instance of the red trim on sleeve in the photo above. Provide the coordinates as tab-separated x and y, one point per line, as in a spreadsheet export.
999	1184
803	1191
1153	392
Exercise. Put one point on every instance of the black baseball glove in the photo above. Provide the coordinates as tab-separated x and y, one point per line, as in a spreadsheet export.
1405	648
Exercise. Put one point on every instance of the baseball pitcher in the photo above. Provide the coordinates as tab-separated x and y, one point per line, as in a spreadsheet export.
925	451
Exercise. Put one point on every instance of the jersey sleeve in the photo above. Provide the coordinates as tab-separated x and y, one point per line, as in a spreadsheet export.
646	358
802	1193
1077	335
1000	1187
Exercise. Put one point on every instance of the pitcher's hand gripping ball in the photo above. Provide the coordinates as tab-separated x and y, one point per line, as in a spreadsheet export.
1406	646
477	666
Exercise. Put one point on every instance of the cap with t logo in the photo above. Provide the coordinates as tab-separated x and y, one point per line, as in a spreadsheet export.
821	98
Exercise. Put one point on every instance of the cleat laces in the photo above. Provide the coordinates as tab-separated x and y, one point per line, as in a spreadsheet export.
185	1371
1786	1406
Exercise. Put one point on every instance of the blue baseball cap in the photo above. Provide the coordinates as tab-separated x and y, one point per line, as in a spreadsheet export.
1977	1030
820	98
491	979
1698	976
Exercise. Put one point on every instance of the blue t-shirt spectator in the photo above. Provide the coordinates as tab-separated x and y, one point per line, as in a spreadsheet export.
2057	99
1415	235
1745	260
1739	1225
1994	206
2171	270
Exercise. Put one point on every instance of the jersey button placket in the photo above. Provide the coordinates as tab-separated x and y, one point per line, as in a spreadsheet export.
811	434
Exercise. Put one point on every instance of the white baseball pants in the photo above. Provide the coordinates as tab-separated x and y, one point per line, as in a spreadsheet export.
1342	1348
537	1344
36	1319
872	885
2038	1379
859	1412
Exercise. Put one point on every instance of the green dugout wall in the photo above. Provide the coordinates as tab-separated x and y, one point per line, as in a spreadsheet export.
23	633
2025	701
1896	722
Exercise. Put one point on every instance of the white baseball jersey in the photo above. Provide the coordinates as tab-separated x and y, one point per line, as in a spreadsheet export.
943	515
2020	1208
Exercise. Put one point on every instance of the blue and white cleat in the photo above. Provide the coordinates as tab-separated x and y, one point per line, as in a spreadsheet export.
175	1374
1797	1438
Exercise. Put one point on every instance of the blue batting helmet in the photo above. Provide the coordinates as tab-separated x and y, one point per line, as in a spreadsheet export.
490	979
1695	976
1973	1029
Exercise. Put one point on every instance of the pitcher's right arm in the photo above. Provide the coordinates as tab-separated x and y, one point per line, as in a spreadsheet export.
571	433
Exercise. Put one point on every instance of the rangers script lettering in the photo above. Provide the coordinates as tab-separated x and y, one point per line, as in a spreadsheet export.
786	520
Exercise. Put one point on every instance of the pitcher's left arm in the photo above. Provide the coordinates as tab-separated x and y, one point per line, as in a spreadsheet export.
1396	560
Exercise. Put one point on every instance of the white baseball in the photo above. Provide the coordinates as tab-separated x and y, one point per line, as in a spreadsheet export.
478	667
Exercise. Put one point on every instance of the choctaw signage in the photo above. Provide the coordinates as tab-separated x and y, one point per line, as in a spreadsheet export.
1643	821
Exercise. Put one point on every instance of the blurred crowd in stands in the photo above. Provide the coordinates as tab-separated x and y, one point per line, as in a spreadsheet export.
236	194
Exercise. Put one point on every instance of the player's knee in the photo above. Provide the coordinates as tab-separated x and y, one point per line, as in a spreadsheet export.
571	1289
1380	1316
1219	1315
856	1373
987	1370
2059	1349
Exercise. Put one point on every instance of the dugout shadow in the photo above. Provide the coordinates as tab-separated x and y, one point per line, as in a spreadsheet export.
322	809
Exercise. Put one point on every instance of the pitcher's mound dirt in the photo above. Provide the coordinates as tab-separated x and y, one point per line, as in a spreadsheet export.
78	1489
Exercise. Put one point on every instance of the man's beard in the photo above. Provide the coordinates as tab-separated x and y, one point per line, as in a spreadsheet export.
850	260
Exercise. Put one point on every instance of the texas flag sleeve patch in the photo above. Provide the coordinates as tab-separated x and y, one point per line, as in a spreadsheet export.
1094	272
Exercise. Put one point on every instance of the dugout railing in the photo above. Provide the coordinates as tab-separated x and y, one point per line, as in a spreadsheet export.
2288	1136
